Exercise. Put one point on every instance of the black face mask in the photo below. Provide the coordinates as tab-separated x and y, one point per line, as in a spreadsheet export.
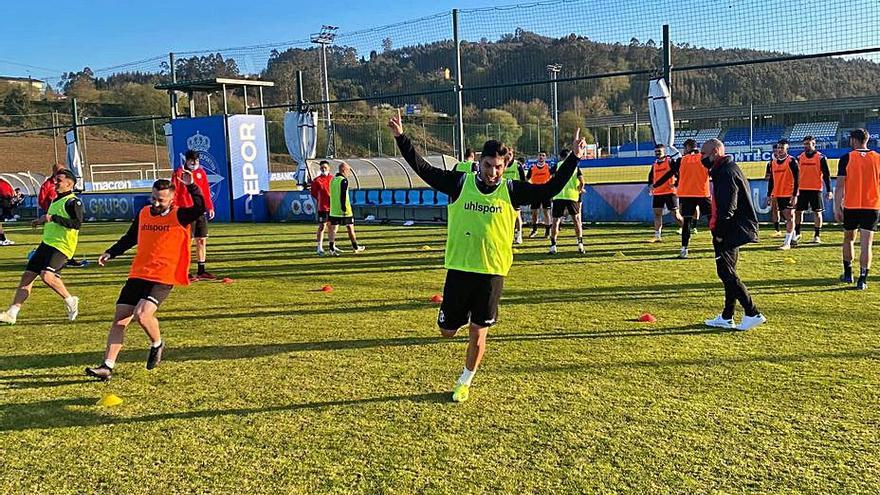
706	161
156	210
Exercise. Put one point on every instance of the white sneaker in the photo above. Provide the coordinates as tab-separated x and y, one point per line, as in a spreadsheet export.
335	252
7	242
785	247
684	253
581	249
72	308
321	252
7	318
720	322
518	238
553	249
360	249
817	240
750	322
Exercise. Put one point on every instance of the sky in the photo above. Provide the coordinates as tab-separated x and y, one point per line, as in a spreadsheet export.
58	36
50	37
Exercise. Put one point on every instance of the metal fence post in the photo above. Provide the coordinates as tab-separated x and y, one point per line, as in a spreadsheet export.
459	105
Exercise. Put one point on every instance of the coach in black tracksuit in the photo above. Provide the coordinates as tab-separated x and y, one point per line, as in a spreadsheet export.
733	223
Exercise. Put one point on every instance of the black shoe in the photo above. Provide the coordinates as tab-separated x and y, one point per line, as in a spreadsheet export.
862	284
155	356
102	373
846	278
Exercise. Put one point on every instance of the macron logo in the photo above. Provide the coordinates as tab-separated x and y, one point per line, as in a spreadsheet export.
481	208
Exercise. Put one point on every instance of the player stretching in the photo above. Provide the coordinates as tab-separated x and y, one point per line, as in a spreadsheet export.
813	170
478	249
161	232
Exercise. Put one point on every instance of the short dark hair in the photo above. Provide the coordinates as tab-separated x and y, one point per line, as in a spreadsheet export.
563	153
469	152
660	146
66	173
808	138
493	148
691	143
783	142
542	152
163	184
860	135
322	162
191	155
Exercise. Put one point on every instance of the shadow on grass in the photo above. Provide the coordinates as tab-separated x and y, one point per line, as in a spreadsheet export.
58	413
230	352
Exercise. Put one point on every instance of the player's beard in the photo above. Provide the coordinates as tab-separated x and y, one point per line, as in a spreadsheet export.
157	210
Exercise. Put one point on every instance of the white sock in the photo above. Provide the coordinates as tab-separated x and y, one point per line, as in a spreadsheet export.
657	234
466	377
788	237
156	343
109	363
13	310
70	300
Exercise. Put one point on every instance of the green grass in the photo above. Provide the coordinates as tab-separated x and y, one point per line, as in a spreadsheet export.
270	386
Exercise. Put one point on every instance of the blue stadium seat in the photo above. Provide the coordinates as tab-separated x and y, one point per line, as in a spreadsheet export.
442	199
386	197
360	197
429	197
371	198
413	197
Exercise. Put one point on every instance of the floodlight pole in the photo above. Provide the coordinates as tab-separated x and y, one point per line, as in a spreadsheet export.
459	104
324	38
667	58
172	95
553	70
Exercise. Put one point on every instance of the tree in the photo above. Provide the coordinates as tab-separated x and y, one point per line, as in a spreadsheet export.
18	105
142	99
387	45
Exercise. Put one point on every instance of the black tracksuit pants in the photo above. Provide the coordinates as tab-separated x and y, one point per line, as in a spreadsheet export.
734	290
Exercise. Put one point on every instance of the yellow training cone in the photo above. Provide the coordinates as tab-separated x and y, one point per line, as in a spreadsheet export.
426	248
109	400
790	261
619	254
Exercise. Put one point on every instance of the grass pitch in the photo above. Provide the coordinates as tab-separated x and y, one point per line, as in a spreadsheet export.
271	386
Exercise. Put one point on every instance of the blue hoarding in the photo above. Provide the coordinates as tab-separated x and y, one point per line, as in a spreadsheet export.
207	135
249	166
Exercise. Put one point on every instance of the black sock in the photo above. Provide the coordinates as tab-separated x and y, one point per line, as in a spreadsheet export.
552	242
354	245
847	268
332	246
817	230
580	240
864	274
776	226
686	232
201	267
534	226
797	230
2	237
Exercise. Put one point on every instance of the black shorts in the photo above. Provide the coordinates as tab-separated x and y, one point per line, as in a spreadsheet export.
545	204
669	201
200	228
341	220
136	289
689	206
323	216
469	297
563	206
47	258
810	200
783	204
860	219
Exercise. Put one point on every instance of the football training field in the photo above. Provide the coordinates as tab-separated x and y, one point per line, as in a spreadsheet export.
269	385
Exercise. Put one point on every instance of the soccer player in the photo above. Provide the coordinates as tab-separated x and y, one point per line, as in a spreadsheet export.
61	225
320	191
813	170
515	171
661	181
478	249
857	203
3	240
733	223
45	197
568	201
538	174
183	199
782	187
469	164
161	231
693	191
340	210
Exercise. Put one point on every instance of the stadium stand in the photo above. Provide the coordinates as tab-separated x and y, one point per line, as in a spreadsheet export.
873	128
824	132
705	134
739	136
